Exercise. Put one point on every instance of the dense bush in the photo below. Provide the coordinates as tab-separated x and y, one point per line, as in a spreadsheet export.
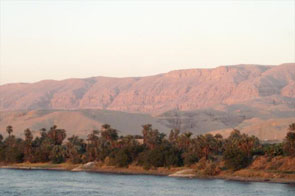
164	155
189	158
235	158
125	156
273	150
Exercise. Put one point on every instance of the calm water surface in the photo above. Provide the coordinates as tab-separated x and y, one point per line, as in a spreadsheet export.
60	183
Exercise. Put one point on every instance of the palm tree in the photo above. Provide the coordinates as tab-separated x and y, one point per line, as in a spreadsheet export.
146	129
174	133
75	147
92	146
93	137
110	134
28	145
247	144
152	137
184	140
28	135
56	135
9	129
105	126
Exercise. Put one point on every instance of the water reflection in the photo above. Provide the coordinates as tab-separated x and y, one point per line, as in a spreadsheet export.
31	183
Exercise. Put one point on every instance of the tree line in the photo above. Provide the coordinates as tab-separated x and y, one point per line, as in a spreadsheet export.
152	149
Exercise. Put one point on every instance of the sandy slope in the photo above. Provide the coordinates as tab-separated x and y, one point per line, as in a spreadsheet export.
79	122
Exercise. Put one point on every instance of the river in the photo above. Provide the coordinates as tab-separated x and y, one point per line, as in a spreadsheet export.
61	183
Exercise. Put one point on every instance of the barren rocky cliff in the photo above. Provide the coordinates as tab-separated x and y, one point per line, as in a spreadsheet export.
199	100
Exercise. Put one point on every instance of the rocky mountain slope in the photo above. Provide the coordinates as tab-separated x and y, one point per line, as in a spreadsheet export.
183	90
257	99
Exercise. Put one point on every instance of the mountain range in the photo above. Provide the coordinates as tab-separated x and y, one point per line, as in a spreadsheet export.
258	99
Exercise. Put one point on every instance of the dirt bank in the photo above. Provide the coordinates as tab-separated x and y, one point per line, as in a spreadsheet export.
250	174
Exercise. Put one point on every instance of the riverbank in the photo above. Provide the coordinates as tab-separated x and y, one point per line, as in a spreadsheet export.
245	175
135	170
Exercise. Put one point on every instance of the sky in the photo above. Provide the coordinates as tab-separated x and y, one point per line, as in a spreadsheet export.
59	39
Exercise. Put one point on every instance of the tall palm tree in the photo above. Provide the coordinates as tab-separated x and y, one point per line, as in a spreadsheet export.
9	130
28	145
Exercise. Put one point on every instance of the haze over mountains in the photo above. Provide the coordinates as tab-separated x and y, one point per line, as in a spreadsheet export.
256	99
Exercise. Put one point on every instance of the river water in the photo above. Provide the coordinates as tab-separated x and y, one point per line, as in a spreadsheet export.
61	183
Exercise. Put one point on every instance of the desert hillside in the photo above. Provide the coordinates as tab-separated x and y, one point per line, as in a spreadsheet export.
78	122
183	90
256	99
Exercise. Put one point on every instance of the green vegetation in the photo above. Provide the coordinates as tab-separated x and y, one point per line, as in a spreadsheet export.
151	150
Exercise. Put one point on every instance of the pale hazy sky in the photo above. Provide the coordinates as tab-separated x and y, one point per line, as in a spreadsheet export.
58	39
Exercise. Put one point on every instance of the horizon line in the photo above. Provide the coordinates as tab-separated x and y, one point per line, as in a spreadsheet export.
90	77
